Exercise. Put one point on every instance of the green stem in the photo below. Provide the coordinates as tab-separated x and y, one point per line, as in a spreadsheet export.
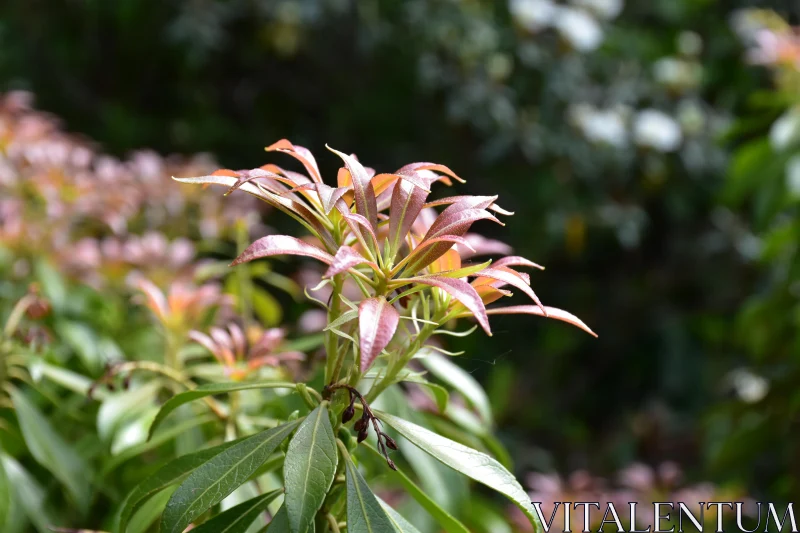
333	365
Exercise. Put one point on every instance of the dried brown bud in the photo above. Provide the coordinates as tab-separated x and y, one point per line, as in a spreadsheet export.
391	464
348	414
361	424
390	443
362	435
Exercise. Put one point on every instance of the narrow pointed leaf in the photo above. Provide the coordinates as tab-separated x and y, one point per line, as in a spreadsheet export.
227	181
515	260
414	258
438	513
210	390
51	451
238	519
377	323
463	292
309	469
366	202
300	153
514	279
212	481
407	202
5	495
401	525
472	463
346	258
434	168
281	245
552	312
171	473
455	199
364	513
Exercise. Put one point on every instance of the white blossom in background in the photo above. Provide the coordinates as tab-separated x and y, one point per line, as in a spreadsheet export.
605	9
579	28
785	130
793	176
677	72
750	387
533	15
655	129
605	126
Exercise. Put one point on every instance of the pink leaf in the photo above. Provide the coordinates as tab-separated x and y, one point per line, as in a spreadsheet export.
407	201
328	196
377	322
515	260
433	167
552	312
455	199
346	257
366	203
512	278
301	154
281	245
463	292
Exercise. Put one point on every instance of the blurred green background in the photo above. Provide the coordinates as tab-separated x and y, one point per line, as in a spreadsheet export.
635	142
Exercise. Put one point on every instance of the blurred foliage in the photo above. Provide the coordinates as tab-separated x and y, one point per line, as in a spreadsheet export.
608	128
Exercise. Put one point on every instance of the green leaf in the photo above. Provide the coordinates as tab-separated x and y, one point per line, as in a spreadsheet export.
83	341
459	379
401	525
52	451
237	519
442	517
472	463
280	522
147	514
210	390
169	474
364	513
211	482
5	497
267	308
438	392
121	407
309	469
29	495
159	439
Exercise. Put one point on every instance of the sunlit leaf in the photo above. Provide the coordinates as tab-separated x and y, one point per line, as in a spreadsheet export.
472	463
346	257
366	203
552	312
407	201
442	517
281	245
309	469
377	323
300	153
514	279
401	525
212	481
461	291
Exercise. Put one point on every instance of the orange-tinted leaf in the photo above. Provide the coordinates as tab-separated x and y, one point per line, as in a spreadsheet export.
301	154
281	245
225	172
552	312
377	322
346	258
461	291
